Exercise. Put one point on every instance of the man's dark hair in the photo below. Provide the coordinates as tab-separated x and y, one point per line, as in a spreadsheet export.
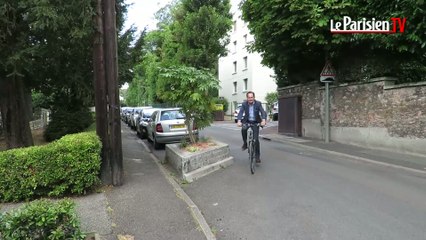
251	93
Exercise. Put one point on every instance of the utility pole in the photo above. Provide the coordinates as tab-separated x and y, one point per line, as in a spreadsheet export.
101	94
111	73
108	125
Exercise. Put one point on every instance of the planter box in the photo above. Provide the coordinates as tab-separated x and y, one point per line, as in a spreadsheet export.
193	165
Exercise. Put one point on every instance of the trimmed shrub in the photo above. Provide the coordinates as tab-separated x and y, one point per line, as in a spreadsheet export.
41	219
67	122
69	165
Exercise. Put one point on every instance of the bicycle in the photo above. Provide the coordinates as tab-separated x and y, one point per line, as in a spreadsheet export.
251	142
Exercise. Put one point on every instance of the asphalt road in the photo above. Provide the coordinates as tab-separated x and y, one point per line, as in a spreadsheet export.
295	194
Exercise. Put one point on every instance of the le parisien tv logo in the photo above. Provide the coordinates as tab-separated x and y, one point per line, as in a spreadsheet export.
347	25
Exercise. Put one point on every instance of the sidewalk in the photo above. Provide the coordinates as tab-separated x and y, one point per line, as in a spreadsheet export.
146	206
408	162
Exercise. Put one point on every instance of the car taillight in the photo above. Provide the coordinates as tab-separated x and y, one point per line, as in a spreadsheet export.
158	128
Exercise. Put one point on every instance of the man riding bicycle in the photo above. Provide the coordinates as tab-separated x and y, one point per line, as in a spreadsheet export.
253	114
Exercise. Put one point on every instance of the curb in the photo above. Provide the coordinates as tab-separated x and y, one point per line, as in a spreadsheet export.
93	236
195	211
201	172
316	149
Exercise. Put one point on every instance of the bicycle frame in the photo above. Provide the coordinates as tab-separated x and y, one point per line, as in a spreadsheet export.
251	146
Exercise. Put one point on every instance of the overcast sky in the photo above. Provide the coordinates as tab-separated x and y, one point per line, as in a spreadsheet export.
141	13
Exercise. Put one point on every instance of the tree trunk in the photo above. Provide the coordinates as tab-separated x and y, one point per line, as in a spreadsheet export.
15	115
191	135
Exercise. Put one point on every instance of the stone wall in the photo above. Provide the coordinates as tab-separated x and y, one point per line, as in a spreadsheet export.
375	114
193	165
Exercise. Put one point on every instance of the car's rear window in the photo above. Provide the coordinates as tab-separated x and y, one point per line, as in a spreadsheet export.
171	115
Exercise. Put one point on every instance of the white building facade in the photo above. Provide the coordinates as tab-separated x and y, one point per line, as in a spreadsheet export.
241	71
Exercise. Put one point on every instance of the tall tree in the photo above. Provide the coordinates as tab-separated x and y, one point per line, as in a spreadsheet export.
294	37
46	46
39	42
190	90
130	52
200	32
193	33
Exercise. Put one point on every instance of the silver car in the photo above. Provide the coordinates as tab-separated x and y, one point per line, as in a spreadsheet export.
142	126
167	126
134	119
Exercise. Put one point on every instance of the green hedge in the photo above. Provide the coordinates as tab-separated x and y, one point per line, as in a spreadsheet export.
41	220
69	165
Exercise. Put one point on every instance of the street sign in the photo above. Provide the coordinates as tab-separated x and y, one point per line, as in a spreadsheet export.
218	107
328	74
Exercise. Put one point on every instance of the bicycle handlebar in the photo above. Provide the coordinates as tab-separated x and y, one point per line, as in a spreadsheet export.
252	124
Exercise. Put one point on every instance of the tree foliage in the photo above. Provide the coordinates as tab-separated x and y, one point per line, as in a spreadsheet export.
47	47
189	88
191	34
294	36
199	32
271	98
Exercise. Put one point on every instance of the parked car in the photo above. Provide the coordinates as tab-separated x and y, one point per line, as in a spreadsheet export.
237	110
123	112
128	114
167	126
141	128
134	120
275	112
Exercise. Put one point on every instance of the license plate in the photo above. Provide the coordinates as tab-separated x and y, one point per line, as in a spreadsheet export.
178	126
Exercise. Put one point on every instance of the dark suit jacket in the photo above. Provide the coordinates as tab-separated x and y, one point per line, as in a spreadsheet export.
259	112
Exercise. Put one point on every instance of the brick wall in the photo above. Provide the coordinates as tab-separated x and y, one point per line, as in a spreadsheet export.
400	110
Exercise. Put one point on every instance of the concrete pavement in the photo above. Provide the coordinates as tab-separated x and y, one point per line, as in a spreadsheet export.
152	205
413	163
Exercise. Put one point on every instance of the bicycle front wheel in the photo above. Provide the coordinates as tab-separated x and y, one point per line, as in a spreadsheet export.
251	157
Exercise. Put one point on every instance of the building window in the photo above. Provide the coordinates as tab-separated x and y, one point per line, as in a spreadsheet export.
235	67
245	62
235	87
235	25
245	84
235	46
245	38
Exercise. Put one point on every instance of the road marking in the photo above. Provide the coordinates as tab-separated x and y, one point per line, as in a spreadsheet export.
138	160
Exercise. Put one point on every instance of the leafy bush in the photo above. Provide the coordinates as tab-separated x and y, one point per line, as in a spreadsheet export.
183	143
69	165
271	98
67	121
41	219
224	102
204	139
